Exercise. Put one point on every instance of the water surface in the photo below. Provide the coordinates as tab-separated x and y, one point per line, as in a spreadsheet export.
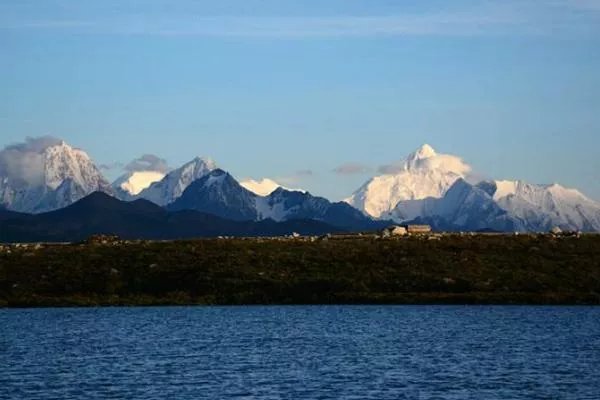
329	352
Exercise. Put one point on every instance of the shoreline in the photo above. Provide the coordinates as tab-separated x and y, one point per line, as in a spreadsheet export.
520	300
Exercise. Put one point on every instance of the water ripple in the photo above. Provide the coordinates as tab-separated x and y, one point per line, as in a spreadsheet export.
334	352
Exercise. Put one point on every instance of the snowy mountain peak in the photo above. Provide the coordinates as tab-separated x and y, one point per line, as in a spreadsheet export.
423	173
175	182
559	190
63	161
544	206
206	162
220	194
532	192
45	173
423	152
426	158
217	177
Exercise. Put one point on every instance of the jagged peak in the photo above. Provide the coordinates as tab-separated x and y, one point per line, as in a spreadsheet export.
217	176
63	147
218	172
423	152
559	190
207	161
425	158
282	191
195	166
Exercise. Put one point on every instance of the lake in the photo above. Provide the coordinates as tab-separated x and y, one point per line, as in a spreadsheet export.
317	352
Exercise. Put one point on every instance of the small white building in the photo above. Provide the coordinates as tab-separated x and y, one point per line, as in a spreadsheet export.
556	231
416	229
394	230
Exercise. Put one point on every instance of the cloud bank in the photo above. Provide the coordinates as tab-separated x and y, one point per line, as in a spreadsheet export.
24	162
352	168
444	162
148	162
109	167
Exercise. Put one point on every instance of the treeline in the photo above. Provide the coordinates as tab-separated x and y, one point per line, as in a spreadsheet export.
454	269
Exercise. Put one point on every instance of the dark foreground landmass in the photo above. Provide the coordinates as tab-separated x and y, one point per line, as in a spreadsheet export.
453	269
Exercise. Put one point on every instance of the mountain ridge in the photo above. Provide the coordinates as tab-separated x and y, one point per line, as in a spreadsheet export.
175	182
99	213
219	193
46	174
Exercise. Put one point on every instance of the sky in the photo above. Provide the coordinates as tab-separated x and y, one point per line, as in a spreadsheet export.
318	94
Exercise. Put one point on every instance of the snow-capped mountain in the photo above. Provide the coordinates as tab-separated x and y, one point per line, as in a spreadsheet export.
264	187
220	194
463	207
424	173
171	187
282	205
545	206
44	174
431	187
36	180
132	183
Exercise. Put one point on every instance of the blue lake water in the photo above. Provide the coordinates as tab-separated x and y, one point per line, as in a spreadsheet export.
329	352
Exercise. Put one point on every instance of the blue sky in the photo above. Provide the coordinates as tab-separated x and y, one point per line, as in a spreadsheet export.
293	90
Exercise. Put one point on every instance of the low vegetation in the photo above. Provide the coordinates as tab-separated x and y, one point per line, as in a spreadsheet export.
453	269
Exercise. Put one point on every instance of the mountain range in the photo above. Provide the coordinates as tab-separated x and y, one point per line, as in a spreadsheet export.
425	187
100	213
438	189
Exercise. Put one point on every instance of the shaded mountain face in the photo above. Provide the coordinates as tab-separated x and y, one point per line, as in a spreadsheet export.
7	215
285	205
172	186
99	213
220	194
48	178
464	207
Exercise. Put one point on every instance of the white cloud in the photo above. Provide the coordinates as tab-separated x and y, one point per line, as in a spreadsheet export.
24	162
446	162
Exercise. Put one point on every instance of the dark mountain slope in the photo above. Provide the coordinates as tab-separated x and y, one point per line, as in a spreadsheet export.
99	213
